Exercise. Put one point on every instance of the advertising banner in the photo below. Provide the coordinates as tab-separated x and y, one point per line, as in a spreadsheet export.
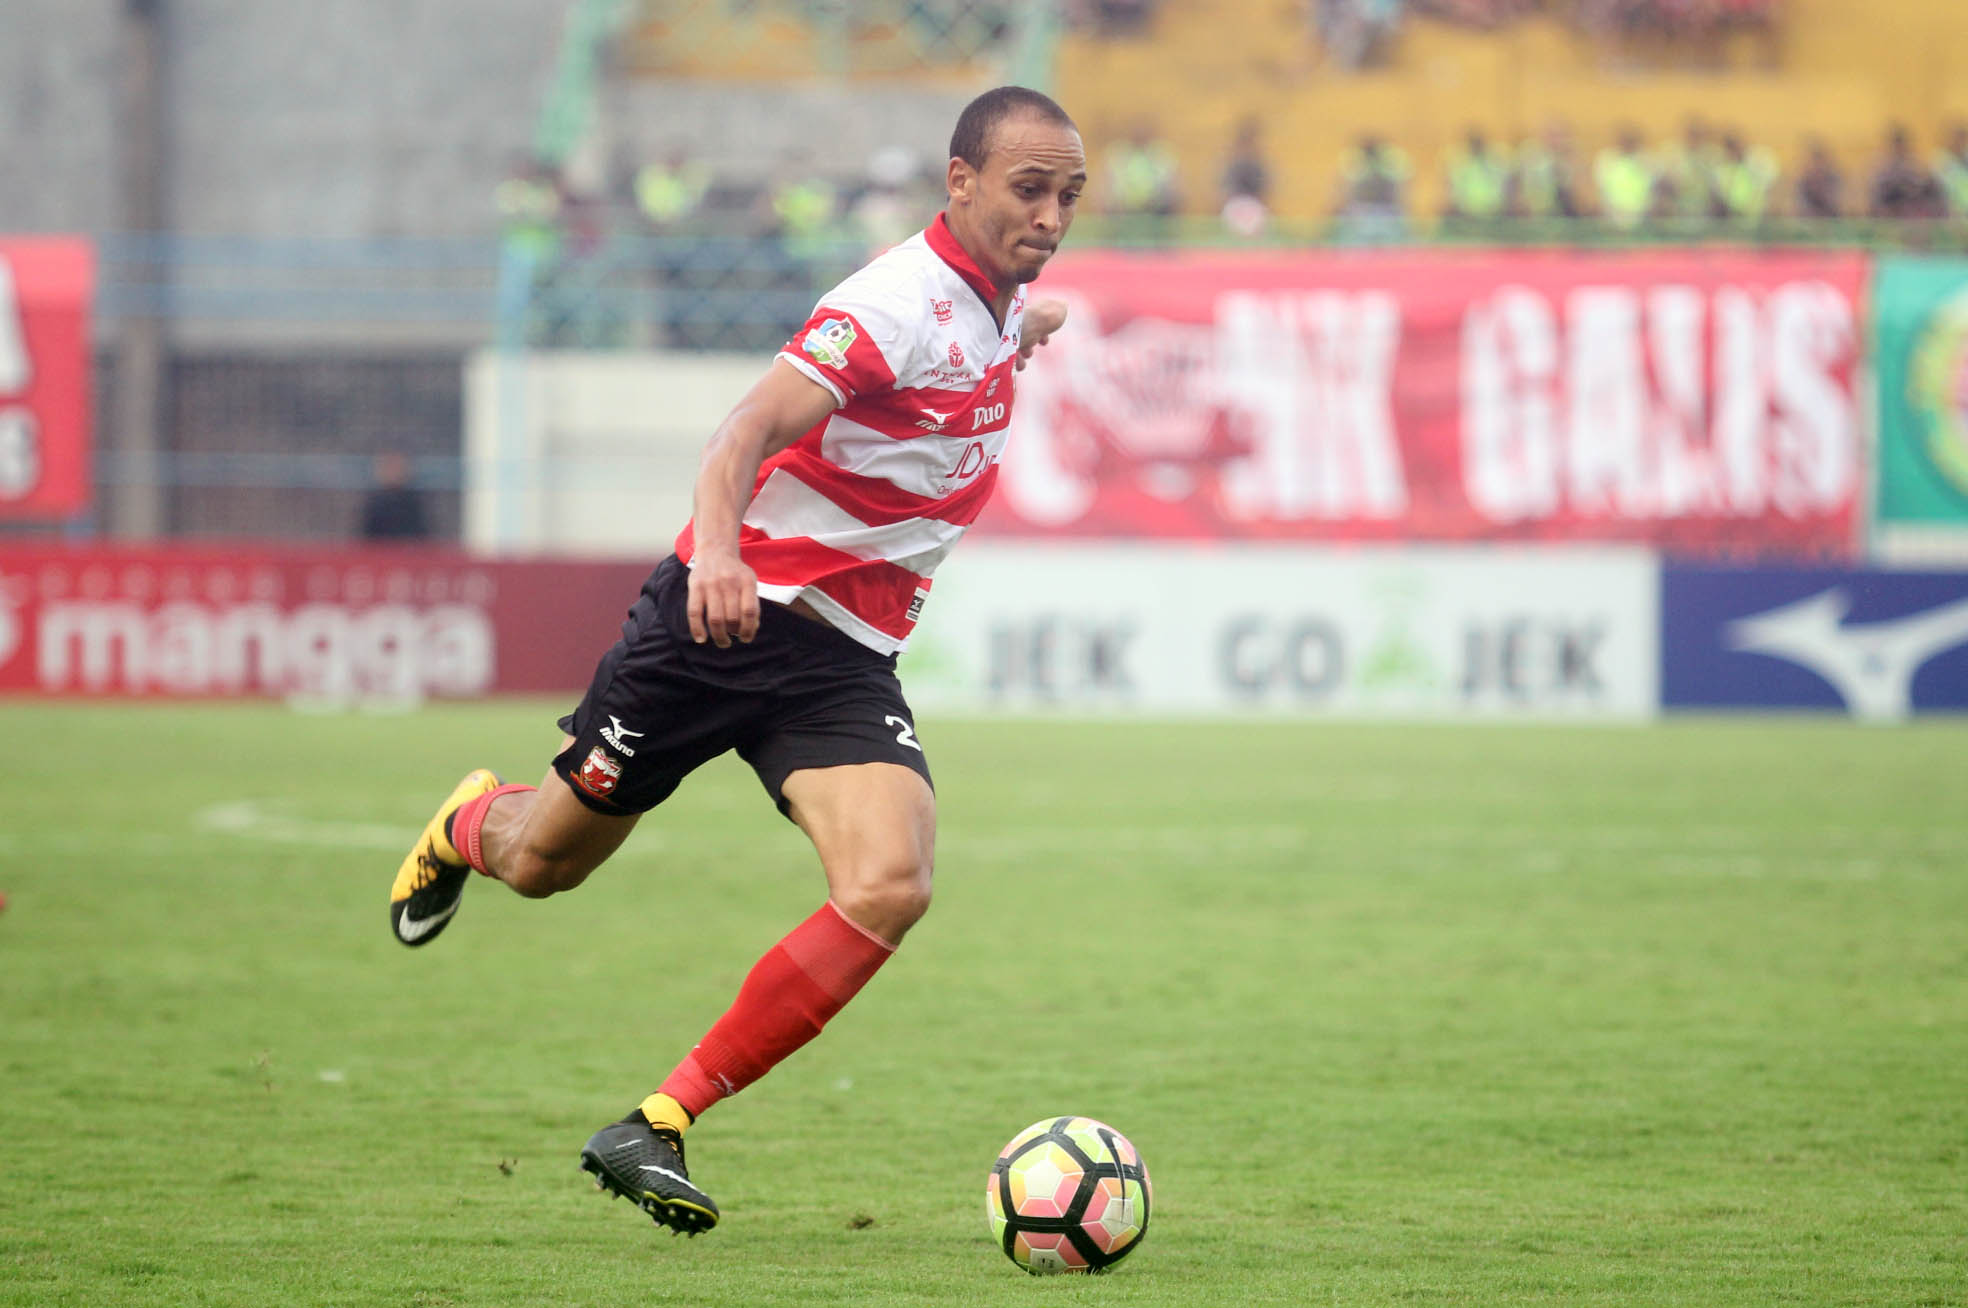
332	624
1698	401
1368	631
1921	343
1880	645
47	286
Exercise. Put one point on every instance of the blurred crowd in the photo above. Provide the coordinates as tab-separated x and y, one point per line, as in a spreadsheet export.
590	260
1708	179
1360	33
668	229
679	193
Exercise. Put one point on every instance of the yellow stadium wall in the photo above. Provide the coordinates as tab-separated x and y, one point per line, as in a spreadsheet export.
1844	68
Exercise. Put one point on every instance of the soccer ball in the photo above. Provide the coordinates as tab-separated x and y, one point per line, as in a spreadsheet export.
1068	1194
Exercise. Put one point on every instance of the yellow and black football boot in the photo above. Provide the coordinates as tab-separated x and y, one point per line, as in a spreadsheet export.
431	881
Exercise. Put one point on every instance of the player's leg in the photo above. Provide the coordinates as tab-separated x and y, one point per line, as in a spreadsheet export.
614	764
874	826
540	840
832	743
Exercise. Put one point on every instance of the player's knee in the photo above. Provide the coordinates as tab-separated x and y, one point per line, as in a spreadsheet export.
887	896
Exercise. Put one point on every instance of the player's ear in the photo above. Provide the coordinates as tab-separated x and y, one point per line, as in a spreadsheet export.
961	180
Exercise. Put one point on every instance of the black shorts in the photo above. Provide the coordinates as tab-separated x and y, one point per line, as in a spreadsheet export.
801	695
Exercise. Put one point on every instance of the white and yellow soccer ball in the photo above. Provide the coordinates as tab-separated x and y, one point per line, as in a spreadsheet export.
1068	1194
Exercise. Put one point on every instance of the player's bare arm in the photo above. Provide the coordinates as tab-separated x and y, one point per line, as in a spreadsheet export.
1042	319
780	407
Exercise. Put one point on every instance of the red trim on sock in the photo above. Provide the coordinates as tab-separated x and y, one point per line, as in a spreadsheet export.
468	825
790	994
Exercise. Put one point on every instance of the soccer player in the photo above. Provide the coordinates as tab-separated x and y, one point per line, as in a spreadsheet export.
824	502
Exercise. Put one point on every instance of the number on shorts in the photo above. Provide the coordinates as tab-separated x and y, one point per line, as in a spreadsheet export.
907	735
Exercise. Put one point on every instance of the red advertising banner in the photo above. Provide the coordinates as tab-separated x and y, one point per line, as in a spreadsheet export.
47	286
1700	401
334	624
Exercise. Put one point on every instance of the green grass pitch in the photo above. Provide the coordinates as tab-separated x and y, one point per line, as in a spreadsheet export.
1397	1014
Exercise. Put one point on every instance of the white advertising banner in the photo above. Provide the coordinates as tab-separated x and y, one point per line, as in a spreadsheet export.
1395	631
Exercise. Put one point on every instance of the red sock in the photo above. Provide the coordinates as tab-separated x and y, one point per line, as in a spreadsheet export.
469	821
789	995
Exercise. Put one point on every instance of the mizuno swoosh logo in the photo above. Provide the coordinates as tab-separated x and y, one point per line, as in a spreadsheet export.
416	928
1870	664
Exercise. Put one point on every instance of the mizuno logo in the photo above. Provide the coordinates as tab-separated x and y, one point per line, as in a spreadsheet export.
617	733
412	929
1870	664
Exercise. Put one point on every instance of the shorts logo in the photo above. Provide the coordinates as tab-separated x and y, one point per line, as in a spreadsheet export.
956	355
828	343
916	604
599	773
615	734
943	309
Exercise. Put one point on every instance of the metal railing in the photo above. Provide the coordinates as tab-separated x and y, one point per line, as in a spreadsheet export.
724	291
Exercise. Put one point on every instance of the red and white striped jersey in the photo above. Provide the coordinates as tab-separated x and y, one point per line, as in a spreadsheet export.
855	515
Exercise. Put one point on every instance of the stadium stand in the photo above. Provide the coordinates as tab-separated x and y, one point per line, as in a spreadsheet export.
1776	73
651	184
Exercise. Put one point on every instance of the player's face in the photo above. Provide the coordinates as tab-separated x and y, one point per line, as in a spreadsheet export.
1020	204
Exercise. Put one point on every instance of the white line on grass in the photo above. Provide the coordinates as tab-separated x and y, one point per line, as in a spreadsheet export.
254	819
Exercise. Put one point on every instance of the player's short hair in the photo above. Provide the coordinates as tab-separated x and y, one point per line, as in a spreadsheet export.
971	142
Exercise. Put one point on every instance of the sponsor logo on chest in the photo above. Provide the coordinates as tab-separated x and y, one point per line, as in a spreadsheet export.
980	411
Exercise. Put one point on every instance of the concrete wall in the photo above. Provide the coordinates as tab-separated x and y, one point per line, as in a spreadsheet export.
334	118
57	106
751	130
374	118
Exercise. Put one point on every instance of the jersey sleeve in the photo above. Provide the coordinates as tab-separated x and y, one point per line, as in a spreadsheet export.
853	344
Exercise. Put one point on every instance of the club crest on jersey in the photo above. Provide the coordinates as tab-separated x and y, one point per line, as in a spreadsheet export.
943	309
599	773
956	355
828	343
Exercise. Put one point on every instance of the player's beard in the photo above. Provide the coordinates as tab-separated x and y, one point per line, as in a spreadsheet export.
1023	271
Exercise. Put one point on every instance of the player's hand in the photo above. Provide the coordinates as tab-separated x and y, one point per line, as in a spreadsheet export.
723	600
1042	319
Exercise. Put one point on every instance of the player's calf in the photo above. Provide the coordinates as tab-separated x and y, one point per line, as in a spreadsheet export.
553	843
